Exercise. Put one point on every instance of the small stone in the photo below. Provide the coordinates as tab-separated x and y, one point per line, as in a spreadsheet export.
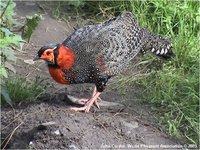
72	146
30	143
131	125
29	61
57	132
48	123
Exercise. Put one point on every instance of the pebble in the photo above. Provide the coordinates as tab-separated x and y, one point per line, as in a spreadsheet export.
72	146
57	132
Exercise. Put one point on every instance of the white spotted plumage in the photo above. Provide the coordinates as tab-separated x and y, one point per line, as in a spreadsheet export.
115	42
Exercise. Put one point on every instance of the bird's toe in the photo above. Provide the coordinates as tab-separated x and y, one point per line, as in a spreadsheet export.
79	109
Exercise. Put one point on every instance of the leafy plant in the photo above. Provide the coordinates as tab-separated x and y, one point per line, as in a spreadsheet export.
174	90
23	90
7	40
7	13
29	27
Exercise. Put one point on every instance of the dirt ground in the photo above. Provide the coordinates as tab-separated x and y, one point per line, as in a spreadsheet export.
124	122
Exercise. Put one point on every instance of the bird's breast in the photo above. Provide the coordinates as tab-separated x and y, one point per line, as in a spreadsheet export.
58	75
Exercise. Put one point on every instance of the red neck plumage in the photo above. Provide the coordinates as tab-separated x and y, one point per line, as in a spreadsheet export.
65	58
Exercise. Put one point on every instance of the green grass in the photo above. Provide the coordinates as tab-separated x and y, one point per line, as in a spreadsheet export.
173	90
22	90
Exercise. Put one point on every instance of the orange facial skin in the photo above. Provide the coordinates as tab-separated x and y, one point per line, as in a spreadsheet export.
48	55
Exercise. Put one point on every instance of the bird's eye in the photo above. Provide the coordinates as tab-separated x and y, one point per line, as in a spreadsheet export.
48	53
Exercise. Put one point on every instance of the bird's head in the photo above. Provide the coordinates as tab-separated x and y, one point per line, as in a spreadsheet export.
47	53
56	55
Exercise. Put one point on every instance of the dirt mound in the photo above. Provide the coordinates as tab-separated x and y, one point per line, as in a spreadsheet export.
51	124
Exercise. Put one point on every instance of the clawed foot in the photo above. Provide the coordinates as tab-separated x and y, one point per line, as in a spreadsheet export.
87	103
85	108
84	102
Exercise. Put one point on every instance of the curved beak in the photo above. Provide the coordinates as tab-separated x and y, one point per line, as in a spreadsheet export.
36	57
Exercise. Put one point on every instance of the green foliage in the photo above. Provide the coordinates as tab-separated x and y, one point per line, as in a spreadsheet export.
3	72
174	90
7	39
22	90
13	89
31	24
5	95
7	13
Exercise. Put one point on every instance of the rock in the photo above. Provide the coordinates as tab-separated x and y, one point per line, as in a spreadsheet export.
57	132
131	125
72	146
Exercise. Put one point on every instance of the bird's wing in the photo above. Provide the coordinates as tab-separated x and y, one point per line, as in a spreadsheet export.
112	44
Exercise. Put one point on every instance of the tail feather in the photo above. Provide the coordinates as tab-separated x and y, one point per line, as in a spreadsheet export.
158	45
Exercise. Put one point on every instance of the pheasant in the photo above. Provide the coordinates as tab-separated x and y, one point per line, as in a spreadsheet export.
95	53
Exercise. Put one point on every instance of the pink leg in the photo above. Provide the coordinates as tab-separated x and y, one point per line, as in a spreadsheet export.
98	98
83	101
88	105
